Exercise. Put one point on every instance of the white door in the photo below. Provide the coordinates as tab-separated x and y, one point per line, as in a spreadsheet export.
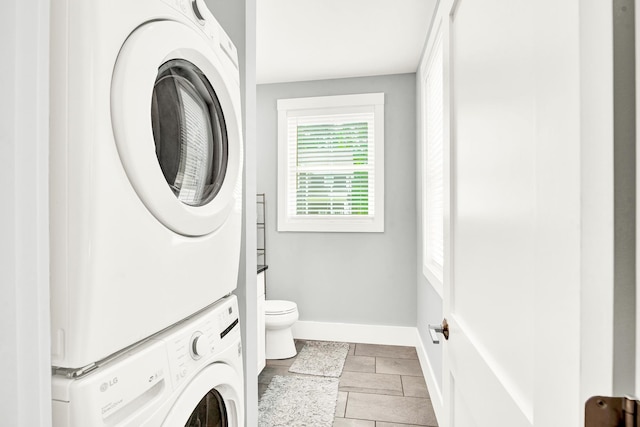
489	287
512	232
536	278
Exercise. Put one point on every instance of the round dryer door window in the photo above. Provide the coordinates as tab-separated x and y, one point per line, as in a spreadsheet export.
189	132
175	111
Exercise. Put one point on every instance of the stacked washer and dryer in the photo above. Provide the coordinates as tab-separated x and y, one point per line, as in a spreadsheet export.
146	186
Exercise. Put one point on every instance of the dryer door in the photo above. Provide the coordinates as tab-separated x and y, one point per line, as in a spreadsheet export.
212	399
175	110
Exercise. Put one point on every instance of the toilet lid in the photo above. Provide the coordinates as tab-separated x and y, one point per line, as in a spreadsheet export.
279	307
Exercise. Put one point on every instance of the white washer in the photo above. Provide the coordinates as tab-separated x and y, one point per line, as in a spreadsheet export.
189	375
146	171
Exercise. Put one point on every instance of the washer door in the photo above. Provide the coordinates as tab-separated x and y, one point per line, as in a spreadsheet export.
212	399
175	117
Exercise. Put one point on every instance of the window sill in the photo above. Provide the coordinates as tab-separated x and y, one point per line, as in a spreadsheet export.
346	225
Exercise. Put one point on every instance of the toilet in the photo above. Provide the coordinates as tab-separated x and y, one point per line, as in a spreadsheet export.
279	318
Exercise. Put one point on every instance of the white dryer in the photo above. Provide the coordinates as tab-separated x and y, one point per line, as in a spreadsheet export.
189	375
146	171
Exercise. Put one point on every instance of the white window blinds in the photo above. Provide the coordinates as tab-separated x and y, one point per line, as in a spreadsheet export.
330	163
434	164
331	160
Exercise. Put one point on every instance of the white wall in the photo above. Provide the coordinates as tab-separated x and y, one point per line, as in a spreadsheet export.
356	278
238	20
25	392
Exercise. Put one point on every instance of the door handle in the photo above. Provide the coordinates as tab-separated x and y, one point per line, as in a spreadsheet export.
443	329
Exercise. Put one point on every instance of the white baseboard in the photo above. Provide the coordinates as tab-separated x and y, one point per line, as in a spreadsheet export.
434	390
350	332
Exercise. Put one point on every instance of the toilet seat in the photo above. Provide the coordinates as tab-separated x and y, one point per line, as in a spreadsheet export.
278	307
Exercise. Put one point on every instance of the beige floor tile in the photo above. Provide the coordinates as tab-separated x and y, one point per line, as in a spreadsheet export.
394	351
299	344
261	389
341	405
269	371
394	409
281	362
360	364
352	349
385	365
372	385
348	422
364	382
414	386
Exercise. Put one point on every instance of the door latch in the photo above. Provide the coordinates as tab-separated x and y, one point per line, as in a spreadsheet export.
443	329
603	411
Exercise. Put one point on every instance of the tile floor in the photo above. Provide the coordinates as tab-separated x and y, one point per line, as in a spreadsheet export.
380	386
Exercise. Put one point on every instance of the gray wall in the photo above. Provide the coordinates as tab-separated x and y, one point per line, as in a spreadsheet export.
361	278
624	110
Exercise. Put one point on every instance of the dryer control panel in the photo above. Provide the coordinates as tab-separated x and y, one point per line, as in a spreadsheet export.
198	12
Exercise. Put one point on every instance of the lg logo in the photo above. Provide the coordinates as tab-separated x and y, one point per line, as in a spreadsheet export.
105	385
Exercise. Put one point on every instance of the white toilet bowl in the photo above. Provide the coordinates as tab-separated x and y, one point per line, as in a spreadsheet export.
279	318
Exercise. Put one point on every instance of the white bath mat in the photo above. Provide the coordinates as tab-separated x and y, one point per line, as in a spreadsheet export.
323	358
295	401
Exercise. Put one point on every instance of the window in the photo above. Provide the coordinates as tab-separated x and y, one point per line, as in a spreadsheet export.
433	163
330	163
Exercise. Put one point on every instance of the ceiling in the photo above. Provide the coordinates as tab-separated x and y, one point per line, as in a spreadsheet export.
300	40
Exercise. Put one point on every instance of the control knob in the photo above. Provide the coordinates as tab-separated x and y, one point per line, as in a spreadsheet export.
199	345
200	10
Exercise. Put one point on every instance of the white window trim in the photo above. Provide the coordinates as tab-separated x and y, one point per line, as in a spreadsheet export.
436	276
331	105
